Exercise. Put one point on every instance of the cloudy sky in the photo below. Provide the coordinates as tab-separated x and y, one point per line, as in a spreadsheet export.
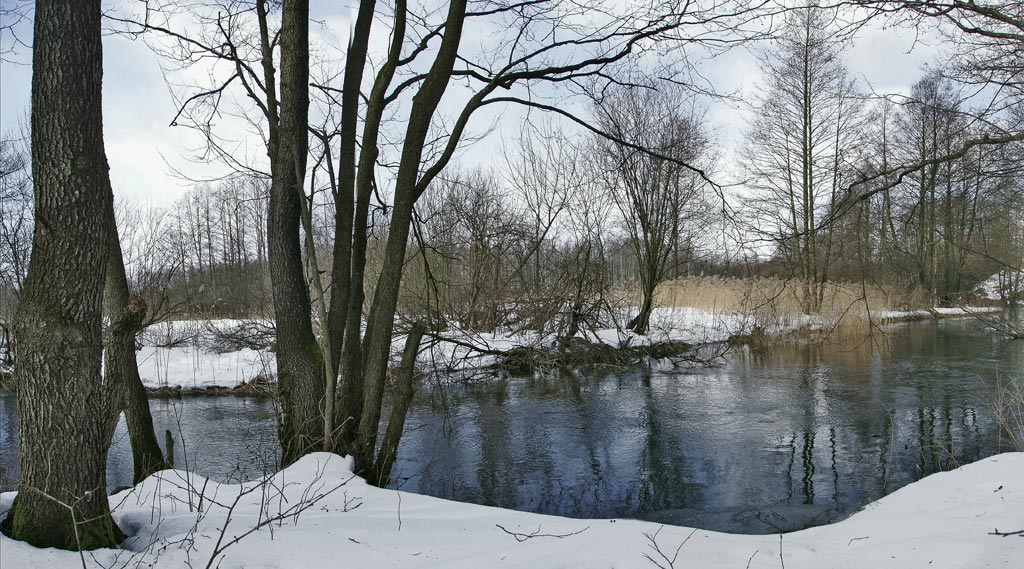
143	148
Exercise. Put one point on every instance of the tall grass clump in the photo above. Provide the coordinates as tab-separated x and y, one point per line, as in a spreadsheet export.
1008	410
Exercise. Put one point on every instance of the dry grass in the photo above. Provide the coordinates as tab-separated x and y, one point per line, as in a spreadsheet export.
848	310
1008	409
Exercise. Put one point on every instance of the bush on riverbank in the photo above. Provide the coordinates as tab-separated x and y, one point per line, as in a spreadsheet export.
1008	409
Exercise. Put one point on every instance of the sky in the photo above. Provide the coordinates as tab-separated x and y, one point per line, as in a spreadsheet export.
144	150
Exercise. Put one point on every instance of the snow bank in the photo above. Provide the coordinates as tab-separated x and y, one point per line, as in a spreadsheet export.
942	521
177	354
938	310
193	366
1002	285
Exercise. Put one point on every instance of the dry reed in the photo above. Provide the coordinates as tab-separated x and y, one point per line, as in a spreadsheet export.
1008	410
848	310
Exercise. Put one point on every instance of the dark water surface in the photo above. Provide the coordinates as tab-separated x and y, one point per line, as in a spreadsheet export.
801	436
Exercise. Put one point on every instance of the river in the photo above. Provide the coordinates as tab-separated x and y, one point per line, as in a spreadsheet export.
802	435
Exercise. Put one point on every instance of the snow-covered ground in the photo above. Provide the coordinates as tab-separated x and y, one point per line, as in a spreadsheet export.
323	516
1002	285
177	354
194	367
190	365
938	310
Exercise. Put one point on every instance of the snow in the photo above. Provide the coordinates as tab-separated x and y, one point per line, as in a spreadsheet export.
194	366
999	286
176	354
942	521
940	310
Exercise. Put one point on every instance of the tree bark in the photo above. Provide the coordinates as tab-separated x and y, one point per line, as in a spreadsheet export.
299	360
127	313
66	412
381	319
642	320
399	407
355	64
350	404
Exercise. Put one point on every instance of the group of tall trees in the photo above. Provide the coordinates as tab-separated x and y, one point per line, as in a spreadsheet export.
370	145
799	144
206	253
943	227
929	193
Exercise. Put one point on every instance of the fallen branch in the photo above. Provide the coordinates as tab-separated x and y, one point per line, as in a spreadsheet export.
521	537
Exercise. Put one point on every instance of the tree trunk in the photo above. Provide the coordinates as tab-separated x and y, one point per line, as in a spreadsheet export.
641	321
350	404
66	412
299	361
127	313
355	64
399	407
381	319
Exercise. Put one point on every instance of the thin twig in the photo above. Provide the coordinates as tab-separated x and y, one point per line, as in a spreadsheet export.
521	537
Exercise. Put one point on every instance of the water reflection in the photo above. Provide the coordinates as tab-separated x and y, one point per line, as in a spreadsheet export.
799	436
226	438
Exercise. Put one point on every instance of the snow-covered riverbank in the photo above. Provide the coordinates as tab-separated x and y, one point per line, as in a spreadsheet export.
191	365
943	521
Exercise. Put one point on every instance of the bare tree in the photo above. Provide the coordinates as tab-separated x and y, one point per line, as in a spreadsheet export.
545	170
797	150
658	198
15	234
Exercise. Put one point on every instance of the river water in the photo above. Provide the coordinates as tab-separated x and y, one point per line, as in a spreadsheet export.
799	436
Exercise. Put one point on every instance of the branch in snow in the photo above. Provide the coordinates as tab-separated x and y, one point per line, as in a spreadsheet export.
521	537
662	557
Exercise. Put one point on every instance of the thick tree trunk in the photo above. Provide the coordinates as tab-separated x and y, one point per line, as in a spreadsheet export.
66	412
299	360
641	321
127	313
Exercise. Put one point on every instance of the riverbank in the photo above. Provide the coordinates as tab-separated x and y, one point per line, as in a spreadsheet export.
234	357
317	514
